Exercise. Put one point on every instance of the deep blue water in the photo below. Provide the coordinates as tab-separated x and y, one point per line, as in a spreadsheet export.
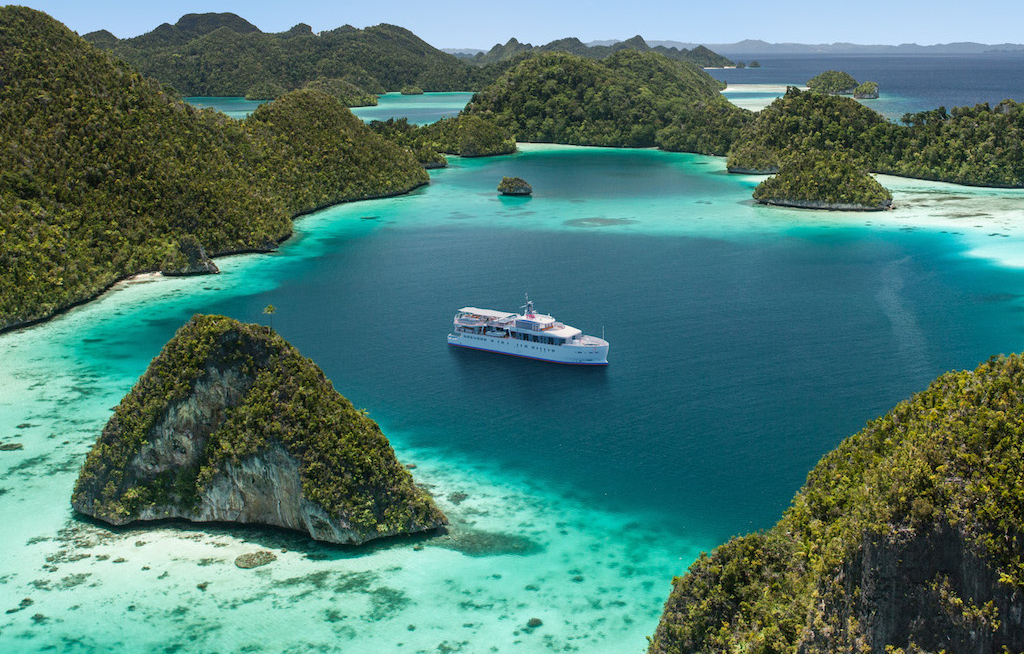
734	366
736	363
924	81
746	342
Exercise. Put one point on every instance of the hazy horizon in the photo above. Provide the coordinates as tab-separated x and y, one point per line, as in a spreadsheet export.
464	24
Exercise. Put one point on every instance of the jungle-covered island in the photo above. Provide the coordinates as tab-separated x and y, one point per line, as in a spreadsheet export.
866	91
823	180
630	99
514	186
106	174
833	81
977	146
837	82
225	55
513	49
231	424
906	538
464	135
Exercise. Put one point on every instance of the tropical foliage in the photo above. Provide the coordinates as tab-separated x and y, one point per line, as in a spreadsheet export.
978	145
867	90
103	171
224	55
347	466
823	180
463	135
910	534
626	100
832	81
699	56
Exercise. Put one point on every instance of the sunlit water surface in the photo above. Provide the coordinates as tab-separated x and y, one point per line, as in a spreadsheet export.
746	342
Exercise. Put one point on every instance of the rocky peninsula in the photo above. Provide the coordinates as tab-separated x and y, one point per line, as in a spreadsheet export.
906	538
231	424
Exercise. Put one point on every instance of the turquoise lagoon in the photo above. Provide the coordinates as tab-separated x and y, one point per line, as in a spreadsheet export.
418	109
746	342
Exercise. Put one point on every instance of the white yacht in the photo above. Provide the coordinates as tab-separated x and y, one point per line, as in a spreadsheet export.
530	335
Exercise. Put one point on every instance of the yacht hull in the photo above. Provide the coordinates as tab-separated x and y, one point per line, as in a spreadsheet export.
580	355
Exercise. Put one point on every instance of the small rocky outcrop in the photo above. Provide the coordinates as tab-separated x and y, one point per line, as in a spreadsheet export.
231	424
866	91
251	560
514	186
190	258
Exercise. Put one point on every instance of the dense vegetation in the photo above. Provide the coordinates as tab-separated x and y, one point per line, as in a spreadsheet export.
410	89
979	145
699	56
342	90
630	99
867	90
514	186
224	55
347	466
910	534
316	153
832	81
823	180
103	172
463	135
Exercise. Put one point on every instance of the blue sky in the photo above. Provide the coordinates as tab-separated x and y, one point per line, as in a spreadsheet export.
461	23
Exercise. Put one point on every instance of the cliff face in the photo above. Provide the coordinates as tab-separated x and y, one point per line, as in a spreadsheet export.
231	424
934	590
906	538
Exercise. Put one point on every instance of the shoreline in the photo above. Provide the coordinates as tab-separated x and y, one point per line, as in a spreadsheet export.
153	275
521	147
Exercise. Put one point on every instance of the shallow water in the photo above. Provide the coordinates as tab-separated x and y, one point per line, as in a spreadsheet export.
746	342
418	109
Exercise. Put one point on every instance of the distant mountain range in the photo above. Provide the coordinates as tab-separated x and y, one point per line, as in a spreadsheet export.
757	47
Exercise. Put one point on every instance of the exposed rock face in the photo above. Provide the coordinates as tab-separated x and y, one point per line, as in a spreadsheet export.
826	206
231	424
192	259
932	589
866	91
514	186
906	539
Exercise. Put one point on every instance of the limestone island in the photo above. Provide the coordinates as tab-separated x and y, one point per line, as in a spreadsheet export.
410	89
866	91
231	424
514	186
836	82
907	538
823	180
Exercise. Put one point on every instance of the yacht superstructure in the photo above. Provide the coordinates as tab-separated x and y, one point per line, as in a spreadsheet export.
530	334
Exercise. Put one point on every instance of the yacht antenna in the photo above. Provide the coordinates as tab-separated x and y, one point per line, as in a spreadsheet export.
528	306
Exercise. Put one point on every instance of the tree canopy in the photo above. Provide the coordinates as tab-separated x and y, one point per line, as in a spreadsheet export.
823	180
224	55
980	145
630	99
909	535
103	172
